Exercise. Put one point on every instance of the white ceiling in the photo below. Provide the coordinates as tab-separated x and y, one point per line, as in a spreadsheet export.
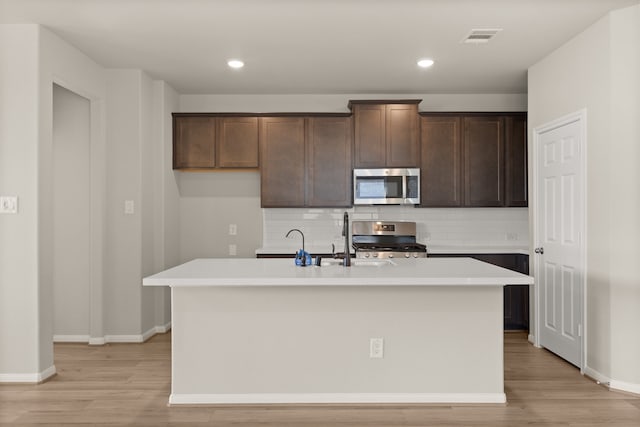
317	46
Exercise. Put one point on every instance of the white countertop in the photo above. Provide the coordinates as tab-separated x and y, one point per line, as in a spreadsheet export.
477	249
283	272
431	249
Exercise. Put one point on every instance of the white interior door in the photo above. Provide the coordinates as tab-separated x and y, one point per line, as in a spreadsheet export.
559	253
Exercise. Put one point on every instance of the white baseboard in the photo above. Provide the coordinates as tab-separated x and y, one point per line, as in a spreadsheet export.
97	341
624	386
71	338
611	383
281	398
123	338
113	338
28	378
163	329
596	375
156	330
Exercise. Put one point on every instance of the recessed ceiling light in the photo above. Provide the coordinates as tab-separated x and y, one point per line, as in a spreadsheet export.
235	63
425	63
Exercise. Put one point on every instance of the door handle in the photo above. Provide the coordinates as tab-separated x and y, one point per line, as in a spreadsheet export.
539	251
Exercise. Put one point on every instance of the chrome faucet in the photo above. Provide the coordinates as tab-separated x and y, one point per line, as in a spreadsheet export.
347	243
301	233
302	255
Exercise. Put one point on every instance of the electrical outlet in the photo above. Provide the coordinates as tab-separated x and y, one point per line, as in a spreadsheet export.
233	229
376	348
9	204
233	250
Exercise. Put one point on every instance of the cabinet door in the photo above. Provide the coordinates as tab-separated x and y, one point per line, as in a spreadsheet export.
483	161
237	142
282	171
329	161
370	149
401	135
516	160
194	142
441	172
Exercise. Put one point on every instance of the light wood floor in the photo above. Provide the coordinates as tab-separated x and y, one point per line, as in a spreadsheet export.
128	384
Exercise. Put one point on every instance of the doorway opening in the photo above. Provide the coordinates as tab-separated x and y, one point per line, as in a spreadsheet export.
71	216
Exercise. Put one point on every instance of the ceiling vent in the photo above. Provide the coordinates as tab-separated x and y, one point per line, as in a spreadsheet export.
481	35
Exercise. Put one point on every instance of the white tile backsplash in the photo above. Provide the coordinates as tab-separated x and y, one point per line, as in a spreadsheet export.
491	227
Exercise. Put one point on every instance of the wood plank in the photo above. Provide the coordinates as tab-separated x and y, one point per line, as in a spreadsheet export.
129	384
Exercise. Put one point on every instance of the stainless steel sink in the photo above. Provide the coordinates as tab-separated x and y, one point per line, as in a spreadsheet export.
358	262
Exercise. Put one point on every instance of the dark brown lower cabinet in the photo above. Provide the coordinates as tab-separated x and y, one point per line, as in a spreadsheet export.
516	297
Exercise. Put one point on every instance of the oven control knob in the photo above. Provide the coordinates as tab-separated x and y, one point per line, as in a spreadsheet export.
375	255
415	255
390	255
366	255
407	255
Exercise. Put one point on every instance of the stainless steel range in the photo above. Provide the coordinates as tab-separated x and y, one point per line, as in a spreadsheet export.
386	239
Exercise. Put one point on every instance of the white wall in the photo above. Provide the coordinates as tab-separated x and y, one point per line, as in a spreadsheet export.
598	70
123	239
166	203
137	115
71	215
19	346
32	60
338	103
209	202
66	66
147	205
37	60
625	200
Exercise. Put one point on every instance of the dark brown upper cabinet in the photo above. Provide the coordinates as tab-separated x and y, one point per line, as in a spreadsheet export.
210	141
305	161
237	142
516	160
329	161
282	155
474	159
441	172
483	148
386	133
194	142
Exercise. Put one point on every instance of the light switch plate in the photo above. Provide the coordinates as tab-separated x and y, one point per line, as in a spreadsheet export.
129	207
376	348
9	204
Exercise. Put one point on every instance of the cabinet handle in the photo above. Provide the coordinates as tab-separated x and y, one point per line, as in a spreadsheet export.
539	250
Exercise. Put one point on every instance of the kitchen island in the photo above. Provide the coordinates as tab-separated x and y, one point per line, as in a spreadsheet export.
265	331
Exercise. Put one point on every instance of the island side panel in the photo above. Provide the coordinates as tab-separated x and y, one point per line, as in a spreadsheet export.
311	344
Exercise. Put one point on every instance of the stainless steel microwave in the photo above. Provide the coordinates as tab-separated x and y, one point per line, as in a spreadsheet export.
400	186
